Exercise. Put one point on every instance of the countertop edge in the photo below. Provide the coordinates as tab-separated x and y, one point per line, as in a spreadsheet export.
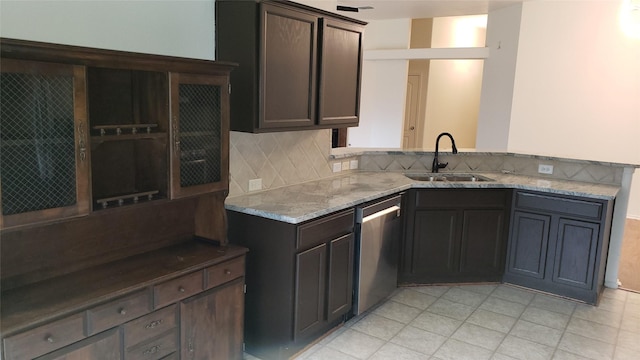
543	186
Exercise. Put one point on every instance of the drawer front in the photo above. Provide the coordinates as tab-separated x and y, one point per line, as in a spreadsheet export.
177	289
149	326
154	349
118	311
227	271
44	339
571	207
468	198
324	229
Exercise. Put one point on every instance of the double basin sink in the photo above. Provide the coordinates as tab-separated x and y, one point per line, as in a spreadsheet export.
448	177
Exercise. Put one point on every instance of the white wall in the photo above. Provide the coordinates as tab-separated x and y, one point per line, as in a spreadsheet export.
503	29
384	86
577	85
453	95
178	28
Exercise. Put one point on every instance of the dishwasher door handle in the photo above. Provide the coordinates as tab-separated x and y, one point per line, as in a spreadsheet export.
382	213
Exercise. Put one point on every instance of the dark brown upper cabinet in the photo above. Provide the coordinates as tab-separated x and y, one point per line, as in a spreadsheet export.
299	67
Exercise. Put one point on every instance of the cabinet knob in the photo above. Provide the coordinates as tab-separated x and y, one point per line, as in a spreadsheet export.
181	289
122	311
227	272
49	339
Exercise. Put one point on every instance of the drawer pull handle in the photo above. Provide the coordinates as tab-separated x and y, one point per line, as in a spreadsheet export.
49	339
151	350
122	311
153	324
181	289
227	272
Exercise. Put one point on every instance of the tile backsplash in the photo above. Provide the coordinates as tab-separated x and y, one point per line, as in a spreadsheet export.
287	158
279	159
565	169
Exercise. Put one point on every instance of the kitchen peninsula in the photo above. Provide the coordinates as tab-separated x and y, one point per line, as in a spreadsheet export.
566	221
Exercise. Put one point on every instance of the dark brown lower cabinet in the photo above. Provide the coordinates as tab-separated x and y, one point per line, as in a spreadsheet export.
299	279
454	235
190	305
559	244
209	323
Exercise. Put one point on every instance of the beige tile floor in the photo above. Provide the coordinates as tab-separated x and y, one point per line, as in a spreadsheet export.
477	322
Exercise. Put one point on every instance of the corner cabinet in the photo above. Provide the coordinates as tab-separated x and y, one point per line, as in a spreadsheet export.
300	67
44	144
299	279
454	236
559	244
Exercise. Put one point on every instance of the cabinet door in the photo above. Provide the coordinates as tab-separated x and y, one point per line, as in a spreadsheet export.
481	249
104	346
340	281
288	76
212	324
44	156
199	134
528	244
340	73
435	243
575	253
310	288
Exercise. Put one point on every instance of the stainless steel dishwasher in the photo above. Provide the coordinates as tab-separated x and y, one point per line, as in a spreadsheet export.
378	230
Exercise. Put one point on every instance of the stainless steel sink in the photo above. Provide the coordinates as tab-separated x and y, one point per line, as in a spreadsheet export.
448	177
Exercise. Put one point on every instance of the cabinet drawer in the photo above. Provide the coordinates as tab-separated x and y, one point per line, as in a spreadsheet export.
117	312
468	198
177	289
326	228
154	349
221	273
44	339
149	326
560	205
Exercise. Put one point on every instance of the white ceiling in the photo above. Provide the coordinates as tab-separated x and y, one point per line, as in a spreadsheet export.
414	9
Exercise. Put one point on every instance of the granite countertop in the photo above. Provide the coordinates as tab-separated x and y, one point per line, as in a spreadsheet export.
301	202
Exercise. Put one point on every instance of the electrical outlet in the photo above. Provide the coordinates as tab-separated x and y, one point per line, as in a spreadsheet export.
353	164
345	165
545	169
255	184
337	167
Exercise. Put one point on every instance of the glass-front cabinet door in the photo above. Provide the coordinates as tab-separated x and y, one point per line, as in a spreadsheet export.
44	155
199	134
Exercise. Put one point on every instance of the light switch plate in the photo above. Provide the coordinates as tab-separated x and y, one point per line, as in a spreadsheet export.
345	165
337	167
353	164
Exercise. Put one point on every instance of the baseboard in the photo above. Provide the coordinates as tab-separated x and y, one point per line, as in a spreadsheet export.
633	217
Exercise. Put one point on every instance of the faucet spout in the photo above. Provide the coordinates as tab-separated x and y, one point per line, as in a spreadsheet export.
437	165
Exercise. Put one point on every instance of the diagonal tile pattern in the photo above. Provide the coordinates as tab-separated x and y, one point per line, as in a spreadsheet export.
493	322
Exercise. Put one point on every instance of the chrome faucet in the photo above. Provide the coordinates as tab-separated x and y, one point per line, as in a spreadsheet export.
436	165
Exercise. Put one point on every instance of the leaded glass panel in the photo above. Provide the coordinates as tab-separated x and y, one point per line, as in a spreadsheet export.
200	126
37	148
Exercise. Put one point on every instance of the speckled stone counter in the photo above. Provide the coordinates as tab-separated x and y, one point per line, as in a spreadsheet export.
301	202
